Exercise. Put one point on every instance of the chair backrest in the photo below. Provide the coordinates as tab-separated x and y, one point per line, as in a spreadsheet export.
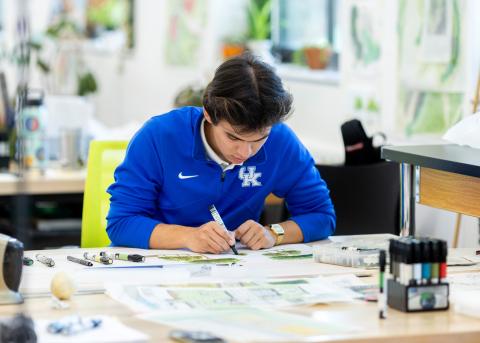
366	197
103	158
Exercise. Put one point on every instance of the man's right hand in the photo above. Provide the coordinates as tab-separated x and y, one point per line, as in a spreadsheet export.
210	238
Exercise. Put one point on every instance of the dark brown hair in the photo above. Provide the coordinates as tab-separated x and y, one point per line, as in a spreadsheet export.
247	94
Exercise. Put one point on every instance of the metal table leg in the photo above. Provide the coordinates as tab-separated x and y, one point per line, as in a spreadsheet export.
408	183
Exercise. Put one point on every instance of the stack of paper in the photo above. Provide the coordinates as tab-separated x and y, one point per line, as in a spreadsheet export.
110	330
465	293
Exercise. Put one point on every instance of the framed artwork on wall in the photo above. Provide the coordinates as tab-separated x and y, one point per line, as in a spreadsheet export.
107	24
186	29
3	102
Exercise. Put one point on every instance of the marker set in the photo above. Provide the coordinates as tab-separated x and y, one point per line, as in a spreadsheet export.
418	261
100	258
419	271
103	257
123	256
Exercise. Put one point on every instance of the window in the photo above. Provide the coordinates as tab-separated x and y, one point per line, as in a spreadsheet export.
298	24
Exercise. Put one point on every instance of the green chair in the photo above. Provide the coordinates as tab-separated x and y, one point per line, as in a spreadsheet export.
103	158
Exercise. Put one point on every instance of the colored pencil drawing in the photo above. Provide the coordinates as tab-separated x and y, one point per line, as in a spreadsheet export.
226	260
198	259
432	66
224	295
287	254
182	258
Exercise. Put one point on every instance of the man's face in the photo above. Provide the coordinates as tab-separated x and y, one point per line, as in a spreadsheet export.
231	145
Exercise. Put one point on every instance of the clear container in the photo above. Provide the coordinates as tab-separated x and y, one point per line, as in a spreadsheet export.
356	252
34	121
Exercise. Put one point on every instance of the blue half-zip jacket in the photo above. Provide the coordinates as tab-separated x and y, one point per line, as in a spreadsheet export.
166	177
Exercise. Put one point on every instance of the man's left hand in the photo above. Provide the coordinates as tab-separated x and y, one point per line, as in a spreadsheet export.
254	235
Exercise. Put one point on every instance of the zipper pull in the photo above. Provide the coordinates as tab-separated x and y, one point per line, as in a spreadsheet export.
223	176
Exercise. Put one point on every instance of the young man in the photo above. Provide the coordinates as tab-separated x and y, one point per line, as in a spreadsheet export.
232	153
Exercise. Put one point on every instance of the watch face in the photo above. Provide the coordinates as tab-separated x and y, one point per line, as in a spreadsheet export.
278	229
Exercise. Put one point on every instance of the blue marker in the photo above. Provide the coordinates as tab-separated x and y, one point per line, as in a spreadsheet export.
426	259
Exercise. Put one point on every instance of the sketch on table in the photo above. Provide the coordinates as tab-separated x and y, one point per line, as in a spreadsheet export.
287	254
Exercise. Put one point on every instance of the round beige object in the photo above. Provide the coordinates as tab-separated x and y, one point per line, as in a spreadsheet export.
62	286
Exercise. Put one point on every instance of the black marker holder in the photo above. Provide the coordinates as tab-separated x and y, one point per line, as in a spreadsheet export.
417	298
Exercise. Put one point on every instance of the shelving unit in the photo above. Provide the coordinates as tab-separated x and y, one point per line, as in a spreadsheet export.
52	202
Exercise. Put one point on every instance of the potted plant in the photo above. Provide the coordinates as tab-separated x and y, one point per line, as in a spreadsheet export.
191	95
317	56
259	29
232	47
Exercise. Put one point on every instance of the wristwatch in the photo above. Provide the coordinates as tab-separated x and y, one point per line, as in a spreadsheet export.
278	233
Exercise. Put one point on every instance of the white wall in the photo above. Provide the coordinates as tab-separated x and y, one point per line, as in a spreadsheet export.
318	114
439	223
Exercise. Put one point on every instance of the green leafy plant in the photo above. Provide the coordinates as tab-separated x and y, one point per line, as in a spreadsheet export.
373	106
358	103
189	96
298	57
259	19
64	28
87	84
43	65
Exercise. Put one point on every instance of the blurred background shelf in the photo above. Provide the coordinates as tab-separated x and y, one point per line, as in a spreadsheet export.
53	202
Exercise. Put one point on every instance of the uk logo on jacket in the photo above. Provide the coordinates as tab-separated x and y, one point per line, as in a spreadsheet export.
249	179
